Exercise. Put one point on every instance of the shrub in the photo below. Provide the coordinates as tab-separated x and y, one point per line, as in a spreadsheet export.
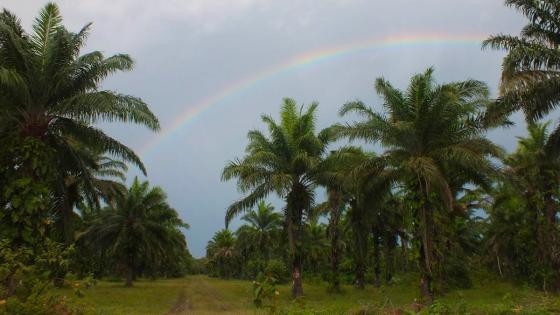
265	294
27	276
278	270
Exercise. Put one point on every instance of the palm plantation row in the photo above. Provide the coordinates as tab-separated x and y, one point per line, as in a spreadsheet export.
425	191
411	205
65	207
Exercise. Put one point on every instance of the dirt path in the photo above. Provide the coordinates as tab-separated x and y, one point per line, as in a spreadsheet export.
200	296
182	305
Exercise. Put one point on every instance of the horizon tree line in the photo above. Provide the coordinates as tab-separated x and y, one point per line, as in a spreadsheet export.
435	171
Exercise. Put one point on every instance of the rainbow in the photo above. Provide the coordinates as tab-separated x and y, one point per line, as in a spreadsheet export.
308	58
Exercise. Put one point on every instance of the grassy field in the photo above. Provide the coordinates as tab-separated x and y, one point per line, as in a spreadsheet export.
204	295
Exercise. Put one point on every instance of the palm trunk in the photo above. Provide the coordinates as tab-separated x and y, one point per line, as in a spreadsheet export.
294	218
552	253
129	277
293	239
66	220
129	272
376	257
389	249
404	251
334	236
499	265
551	210
360	275
540	228
360	257
225	268
426	289
359	234
297	287
67	229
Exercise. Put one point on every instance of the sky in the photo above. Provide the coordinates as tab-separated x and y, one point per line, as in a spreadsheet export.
237	59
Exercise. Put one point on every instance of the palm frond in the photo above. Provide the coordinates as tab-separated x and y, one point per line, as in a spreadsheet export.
46	25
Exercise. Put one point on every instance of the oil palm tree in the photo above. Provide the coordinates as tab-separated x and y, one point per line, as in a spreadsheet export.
221	252
50	95
428	131
357	224
510	237
336	204
142	227
537	168
531	69
371	183
286	163
315	245
366	182
51	92
343	172
264	225
336	168
535	158
101	180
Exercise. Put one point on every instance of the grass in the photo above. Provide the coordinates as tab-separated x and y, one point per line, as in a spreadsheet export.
204	295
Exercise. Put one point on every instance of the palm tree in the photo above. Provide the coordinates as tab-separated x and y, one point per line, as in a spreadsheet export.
221	252
315	245
50	94
373	192
361	180
531	69
429	130
343	173
106	181
264	225
357	223
384	218
336	168
537	161
142	227
537	166
510	236
101	180
286	163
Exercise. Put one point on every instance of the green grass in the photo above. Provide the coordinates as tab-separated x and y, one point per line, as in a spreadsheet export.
204	295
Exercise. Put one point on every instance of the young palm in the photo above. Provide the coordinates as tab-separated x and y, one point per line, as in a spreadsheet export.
315	245
429	130
286	163
221	252
141	228
531	69
263	225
